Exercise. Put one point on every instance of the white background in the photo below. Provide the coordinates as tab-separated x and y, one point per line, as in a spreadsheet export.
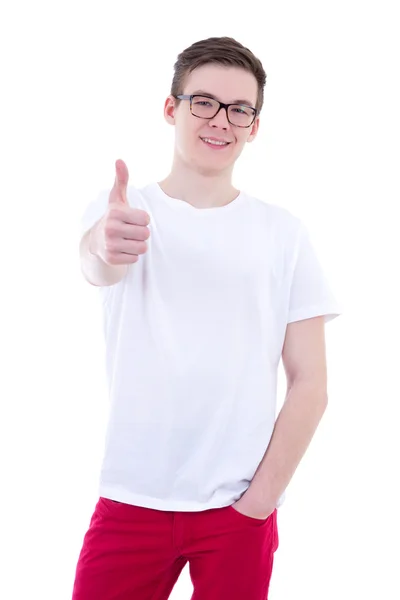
83	83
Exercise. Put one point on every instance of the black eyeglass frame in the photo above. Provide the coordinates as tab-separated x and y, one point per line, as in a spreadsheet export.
221	105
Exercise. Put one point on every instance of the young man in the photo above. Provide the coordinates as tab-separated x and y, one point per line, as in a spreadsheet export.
198	314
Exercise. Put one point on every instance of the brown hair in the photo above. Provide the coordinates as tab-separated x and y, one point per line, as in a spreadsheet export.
222	51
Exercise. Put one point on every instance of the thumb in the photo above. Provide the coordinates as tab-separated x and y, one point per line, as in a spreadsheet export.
118	192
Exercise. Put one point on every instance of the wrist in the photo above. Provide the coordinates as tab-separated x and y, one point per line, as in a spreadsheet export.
92	242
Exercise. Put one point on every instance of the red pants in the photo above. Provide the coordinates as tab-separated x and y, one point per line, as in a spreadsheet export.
136	553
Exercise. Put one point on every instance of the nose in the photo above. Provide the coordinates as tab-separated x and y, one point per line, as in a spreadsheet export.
220	120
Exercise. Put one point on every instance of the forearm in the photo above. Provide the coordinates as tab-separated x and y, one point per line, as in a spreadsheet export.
294	429
94	269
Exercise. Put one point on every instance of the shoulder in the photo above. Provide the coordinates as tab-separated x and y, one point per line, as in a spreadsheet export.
276	216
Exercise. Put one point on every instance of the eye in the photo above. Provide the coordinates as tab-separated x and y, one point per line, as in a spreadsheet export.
242	110
203	102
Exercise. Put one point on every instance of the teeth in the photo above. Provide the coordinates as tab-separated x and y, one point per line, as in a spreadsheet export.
215	142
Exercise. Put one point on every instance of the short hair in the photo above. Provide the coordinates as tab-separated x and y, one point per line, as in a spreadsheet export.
224	51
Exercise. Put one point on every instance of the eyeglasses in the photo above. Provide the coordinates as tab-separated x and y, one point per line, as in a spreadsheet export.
205	107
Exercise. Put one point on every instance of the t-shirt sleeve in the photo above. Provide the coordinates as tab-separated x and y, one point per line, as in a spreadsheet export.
94	211
310	292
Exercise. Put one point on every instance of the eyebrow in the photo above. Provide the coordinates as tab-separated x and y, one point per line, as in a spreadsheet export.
204	93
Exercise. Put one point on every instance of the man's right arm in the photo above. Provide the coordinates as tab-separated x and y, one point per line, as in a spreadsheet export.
93	268
117	239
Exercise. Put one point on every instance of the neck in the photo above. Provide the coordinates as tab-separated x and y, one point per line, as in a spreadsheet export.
199	188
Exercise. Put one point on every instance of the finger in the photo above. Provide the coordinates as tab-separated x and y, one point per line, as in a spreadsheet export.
135	232
119	191
136	216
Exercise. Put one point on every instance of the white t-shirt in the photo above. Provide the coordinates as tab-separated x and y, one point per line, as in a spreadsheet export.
194	334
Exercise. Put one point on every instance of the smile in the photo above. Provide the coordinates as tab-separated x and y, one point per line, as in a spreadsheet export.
217	143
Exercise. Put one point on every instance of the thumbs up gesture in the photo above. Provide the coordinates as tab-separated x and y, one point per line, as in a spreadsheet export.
120	236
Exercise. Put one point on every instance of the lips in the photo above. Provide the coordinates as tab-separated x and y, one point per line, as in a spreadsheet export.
215	142
213	139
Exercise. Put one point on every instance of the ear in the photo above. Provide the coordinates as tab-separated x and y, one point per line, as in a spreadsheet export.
254	129
169	110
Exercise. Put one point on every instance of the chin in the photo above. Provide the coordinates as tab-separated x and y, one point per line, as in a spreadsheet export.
205	164
212	169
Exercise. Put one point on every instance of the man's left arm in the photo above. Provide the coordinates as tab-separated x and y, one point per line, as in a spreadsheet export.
304	361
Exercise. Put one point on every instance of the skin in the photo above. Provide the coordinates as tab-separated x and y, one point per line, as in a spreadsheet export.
201	175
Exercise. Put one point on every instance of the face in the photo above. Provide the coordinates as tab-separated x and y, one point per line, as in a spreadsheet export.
228	85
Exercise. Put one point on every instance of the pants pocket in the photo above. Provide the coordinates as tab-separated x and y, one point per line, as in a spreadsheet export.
246	518
107	507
